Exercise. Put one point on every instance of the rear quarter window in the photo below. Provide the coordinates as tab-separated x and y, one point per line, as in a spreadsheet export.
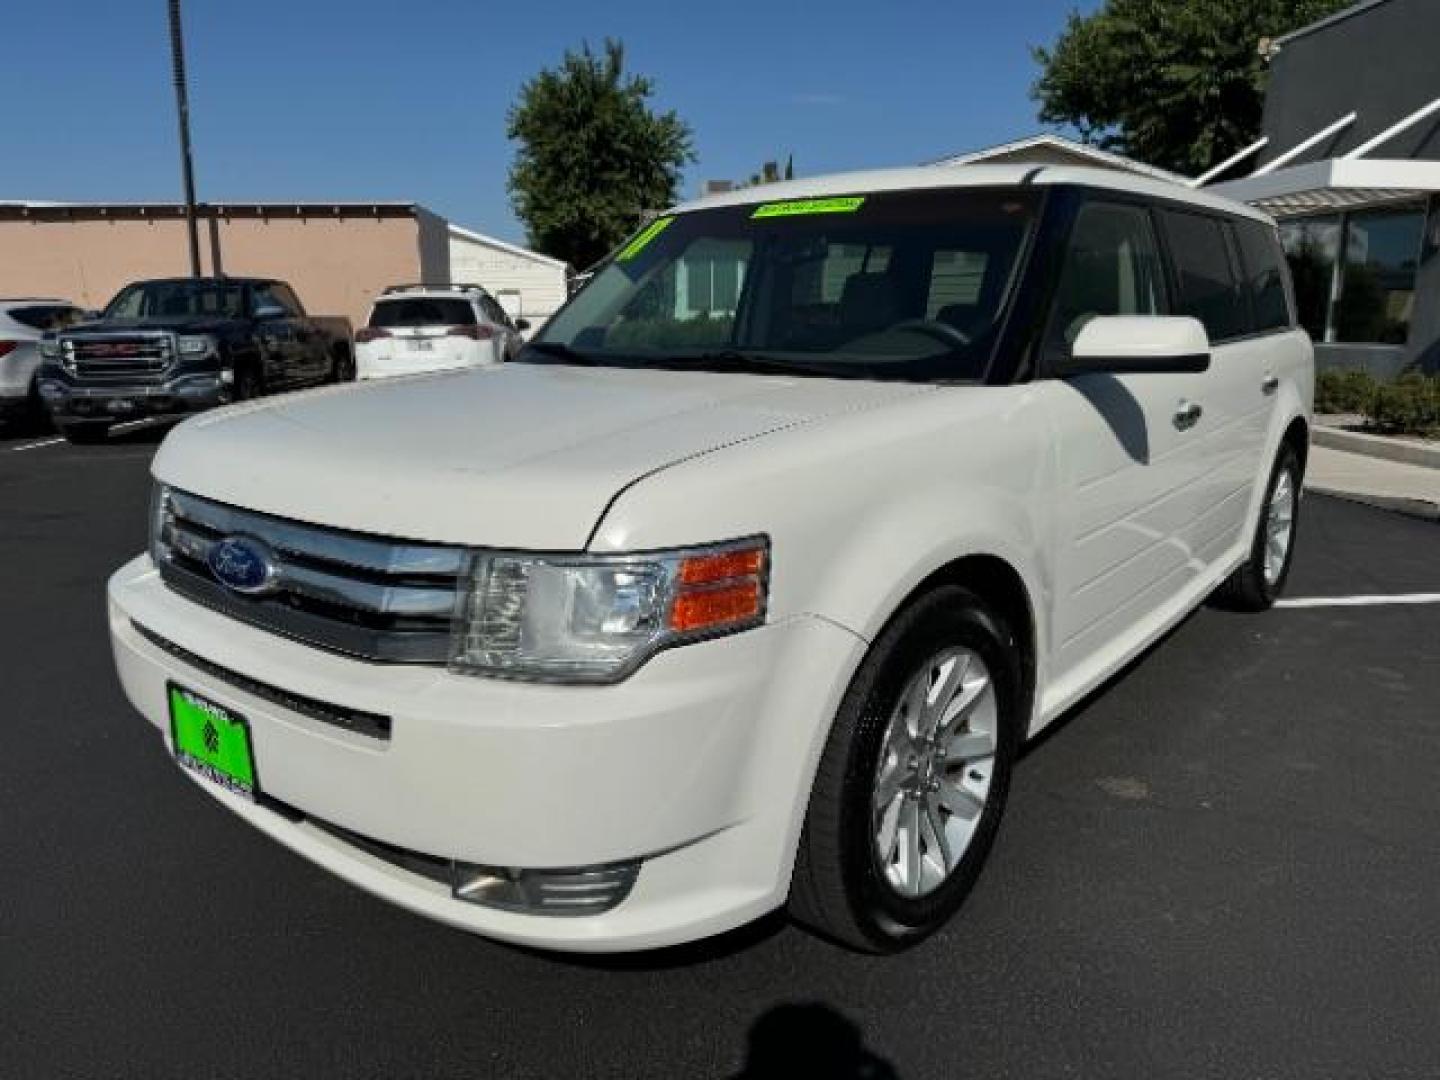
1263	262
422	311
1208	284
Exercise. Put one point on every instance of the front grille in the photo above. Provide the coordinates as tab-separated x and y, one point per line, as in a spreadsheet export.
131	358
345	592
361	723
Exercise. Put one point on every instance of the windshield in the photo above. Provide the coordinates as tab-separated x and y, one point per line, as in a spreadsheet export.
899	285
179	300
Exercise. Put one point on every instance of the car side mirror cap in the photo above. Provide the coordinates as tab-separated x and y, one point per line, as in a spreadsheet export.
522	324
1135	344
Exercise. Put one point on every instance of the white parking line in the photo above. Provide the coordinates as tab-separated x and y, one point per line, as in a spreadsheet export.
33	445
1360	601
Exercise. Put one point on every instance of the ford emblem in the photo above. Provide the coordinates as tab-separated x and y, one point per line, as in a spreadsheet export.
244	565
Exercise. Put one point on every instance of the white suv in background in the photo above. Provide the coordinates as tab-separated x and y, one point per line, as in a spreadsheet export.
746	583
417	328
23	322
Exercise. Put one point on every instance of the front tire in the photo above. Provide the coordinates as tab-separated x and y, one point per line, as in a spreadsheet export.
912	783
1256	584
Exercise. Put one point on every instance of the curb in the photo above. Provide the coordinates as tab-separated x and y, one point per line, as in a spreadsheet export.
1376	446
1420	509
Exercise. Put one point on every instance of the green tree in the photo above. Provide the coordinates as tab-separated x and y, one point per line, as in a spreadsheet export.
593	155
1175	83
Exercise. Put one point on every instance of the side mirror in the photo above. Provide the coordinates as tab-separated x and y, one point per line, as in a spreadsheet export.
271	311
1136	344
522	324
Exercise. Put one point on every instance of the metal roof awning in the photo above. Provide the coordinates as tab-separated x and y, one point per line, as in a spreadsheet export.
1336	184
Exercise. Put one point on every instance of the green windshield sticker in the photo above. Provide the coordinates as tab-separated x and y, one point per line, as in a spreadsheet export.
641	242
847	205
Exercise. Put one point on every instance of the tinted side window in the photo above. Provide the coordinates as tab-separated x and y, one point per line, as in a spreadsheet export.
1264	279
1209	289
266	296
1112	267
287	296
46	317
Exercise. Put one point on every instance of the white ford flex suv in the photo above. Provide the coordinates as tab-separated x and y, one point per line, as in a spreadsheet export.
744	586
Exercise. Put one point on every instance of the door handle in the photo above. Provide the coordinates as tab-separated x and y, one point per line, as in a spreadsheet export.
1187	415
1270	385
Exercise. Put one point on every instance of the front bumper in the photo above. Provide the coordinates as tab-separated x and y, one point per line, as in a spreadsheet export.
700	765
187	391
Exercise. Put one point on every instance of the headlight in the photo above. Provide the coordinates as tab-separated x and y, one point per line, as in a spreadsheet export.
162	520
196	345
597	618
50	350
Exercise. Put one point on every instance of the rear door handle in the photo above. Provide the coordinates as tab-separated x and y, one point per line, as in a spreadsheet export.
1270	385
1187	415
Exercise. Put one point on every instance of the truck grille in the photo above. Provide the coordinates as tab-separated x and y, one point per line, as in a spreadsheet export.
345	592
117	358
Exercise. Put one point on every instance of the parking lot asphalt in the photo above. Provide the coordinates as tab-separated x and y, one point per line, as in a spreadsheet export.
1224	864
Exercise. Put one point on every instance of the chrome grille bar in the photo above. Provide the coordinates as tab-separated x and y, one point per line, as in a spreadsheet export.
342	591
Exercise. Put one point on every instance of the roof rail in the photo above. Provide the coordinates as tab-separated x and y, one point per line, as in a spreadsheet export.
453	286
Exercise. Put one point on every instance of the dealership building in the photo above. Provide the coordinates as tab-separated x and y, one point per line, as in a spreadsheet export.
338	256
1349	164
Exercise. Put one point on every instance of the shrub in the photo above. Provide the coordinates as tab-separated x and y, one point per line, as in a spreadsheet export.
1344	391
1408	406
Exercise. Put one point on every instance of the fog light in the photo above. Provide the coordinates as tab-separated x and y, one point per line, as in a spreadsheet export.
587	890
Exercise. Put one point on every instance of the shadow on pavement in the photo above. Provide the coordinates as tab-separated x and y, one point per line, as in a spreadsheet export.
812	1041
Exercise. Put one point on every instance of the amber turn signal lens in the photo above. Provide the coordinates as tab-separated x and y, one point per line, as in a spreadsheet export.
711	609
722	566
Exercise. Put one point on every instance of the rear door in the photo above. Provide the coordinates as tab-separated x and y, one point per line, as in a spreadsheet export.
1210	286
1128	473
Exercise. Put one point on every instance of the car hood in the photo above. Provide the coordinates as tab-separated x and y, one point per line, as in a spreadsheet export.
182	324
518	455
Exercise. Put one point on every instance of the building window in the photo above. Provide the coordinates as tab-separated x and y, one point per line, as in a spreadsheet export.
1311	245
1382	254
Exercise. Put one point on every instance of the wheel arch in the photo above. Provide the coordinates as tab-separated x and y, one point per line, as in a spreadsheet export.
1001	586
1297	437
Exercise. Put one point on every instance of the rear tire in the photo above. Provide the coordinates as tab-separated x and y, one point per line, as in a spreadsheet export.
85	432
1256	584
852	881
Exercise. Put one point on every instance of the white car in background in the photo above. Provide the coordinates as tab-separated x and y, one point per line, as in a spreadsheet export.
418	328
23	322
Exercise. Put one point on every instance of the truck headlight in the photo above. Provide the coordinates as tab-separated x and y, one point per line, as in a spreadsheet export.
50	349
596	618
196	344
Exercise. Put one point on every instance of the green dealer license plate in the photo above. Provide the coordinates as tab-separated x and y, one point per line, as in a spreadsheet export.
212	740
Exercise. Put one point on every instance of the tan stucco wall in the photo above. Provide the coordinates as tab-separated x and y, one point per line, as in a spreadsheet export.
336	265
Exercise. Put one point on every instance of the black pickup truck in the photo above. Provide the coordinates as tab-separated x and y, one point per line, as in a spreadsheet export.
178	345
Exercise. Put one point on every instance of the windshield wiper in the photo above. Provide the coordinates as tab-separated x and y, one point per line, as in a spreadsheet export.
558	352
733	360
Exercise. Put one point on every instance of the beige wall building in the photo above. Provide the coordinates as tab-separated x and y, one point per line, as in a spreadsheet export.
338	256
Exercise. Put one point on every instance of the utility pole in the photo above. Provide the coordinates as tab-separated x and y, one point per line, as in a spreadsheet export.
182	105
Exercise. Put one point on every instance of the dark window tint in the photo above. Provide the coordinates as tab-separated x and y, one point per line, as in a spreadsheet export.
1264	277
1112	267
274	296
287	297
46	316
1209	290
423	311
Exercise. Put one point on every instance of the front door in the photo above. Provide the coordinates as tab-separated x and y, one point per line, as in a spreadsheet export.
1131	452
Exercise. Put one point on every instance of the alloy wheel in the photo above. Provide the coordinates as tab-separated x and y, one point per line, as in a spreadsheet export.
932	781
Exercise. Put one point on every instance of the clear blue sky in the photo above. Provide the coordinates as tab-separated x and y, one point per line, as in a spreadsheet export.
324	99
